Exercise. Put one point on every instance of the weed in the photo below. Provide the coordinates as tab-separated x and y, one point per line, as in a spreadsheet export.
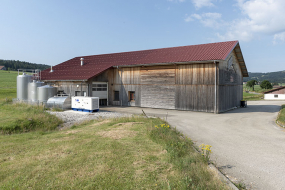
206	151
281	116
240	186
73	127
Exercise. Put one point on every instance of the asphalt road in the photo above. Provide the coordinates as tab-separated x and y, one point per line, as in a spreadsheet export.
247	145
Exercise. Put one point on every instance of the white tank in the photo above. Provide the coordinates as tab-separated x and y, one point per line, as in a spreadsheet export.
46	92
33	90
22	86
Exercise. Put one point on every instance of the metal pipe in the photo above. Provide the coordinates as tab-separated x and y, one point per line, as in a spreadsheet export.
81	89
215	111
107	93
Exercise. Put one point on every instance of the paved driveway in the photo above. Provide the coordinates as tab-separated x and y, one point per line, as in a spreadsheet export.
246	143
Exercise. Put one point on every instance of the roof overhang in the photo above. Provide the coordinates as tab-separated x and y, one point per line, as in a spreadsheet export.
241	60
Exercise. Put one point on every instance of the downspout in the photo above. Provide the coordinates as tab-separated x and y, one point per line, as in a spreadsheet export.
81	89
121	86
215	109
107	93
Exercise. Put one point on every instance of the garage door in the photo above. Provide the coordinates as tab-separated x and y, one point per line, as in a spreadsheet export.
100	89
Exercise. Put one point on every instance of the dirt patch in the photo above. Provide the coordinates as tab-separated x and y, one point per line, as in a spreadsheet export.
120	132
101	123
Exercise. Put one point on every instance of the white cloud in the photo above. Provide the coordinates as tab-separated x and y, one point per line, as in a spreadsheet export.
203	3
279	38
212	20
261	17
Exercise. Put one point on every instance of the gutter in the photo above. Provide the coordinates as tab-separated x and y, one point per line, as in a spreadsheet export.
215	109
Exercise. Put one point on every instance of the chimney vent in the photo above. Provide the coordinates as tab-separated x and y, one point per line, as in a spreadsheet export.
82	59
51	69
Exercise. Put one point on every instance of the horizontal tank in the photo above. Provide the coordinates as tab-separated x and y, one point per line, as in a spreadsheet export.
46	92
33	90
63	102
22	86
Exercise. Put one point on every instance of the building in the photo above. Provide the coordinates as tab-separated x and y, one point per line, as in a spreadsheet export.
2	67
206	77
275	94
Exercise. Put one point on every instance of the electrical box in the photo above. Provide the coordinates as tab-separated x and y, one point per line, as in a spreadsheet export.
85	104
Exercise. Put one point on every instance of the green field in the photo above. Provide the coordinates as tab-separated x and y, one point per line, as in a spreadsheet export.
8	84
252	97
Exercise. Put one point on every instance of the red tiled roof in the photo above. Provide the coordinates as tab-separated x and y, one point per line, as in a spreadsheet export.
276	89
1	67
95	64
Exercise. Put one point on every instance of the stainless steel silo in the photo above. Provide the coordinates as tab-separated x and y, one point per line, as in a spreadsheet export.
22	86
33	90
46	92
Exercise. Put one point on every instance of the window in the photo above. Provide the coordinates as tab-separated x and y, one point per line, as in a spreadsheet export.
116	96
99	87
78	93
131	96
275	95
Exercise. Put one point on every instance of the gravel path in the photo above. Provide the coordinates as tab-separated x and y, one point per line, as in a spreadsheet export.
71	117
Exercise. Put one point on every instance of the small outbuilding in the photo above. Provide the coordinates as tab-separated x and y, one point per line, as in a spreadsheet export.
2	67
205	77
275	94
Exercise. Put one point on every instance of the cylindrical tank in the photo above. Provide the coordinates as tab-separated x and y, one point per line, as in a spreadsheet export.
22	86
33	90
63	102
46	92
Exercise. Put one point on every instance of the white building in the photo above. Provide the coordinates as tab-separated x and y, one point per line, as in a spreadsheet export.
275	94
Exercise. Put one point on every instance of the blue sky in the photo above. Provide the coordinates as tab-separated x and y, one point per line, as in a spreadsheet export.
50	32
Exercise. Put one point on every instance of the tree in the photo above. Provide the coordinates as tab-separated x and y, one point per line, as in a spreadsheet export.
266	85
251	83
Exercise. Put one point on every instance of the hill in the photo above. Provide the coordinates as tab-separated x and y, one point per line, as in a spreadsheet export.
14	65
273	77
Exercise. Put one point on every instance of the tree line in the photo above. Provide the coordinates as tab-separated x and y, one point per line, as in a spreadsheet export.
14	65
273	77
264	84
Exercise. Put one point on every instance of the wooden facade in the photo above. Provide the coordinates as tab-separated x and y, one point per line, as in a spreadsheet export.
187	86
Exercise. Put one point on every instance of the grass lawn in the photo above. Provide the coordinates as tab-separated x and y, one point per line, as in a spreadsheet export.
281	117
19	118
8	84
251	97
125	153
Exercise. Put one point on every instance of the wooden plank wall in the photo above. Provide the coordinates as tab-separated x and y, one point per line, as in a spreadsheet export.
158	87
183	87
195	87
230	84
